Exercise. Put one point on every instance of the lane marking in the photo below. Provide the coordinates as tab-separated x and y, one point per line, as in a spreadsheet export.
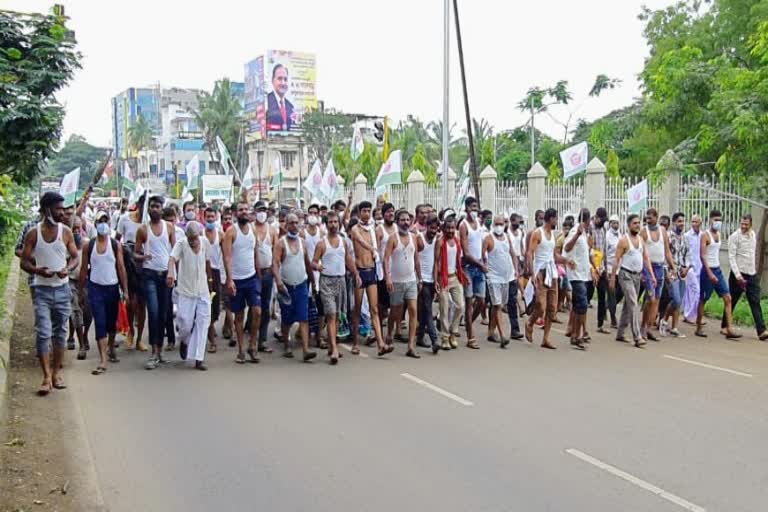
710	366
441	391
348	348
661	493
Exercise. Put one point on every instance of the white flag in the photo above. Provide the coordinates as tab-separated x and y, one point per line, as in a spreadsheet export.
358	145
193	172
128	177
277	172
574	159
314	181
391	172
223	154
638	197
247	183
330	183
69	186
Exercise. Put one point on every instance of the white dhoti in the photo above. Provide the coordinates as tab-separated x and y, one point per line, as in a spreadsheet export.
192	320
691	298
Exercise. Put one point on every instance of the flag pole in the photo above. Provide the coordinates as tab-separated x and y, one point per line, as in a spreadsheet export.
446	79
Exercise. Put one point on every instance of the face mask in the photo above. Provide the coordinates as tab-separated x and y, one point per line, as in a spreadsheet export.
514	226
102	228
210	226
678	230
78	239
190	215
615	231
717	225
497	230
488	223
655	227
261	217
312	220
292	236
473	215
402	229
380	222
325	219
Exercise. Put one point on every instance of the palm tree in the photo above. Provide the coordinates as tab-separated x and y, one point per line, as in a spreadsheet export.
219	114
140	136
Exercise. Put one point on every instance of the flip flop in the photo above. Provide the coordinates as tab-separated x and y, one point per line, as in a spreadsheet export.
252	356
44	389
81	355
355	351
59	384
99	370
413	354
212	349
240	359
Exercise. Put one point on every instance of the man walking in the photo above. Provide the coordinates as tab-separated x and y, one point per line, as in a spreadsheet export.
403	275
425	244
384	232
292	271
630	260
102	274
612	238
471	237
266	236
577	249
49	255
449	282
214	235
743	278
194	286
678	245
692	288
656	240
499	256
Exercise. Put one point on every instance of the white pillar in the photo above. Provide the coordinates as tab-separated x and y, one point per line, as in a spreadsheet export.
594	185
669	197
361	183
488	188
415	190
537	178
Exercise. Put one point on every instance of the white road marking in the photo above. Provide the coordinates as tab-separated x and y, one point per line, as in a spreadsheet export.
348	348
710	366
661	493
438	390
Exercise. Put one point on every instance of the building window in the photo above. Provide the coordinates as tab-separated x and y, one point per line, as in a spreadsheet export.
288	158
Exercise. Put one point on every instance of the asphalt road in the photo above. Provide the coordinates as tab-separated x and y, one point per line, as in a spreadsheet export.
677	426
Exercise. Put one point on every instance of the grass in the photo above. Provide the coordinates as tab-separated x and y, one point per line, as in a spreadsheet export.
7	245
741	316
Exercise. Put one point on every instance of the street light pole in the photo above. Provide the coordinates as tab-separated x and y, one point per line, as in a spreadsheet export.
446	79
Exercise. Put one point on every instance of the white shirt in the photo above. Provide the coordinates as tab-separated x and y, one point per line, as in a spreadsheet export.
127	228
580	254
192	280
611	243
741	253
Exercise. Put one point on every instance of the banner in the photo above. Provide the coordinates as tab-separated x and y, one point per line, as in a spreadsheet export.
128	178
358	145
68	187
223	156
314	181
254	110
289	88
638	197
574	159
193	172
216	186
330	186
391	172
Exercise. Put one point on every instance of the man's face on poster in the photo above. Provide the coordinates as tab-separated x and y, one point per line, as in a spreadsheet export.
280	81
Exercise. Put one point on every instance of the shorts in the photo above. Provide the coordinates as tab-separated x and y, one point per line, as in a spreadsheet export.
313	315
383	295
332	293
579	300
499	293
565	284
52	309
247	291
298	309
105	303
476	284
77	311
403	292
658	272
677	292
367	276
721	287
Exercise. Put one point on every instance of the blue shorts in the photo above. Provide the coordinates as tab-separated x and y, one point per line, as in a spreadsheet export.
658	272
248	291
367	276
707	287
579	299
677	292
476	285
298	309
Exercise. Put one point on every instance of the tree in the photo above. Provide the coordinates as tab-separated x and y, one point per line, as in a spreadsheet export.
325	128
76	152
140	135
37	58
219	114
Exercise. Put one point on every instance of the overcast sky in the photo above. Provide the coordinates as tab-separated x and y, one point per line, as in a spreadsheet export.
373	57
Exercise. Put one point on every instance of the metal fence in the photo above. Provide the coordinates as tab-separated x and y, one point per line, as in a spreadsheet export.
700	195
434	196
398	195
567	197
512	197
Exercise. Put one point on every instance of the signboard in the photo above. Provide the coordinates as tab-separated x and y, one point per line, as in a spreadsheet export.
216	186
290	88
254	106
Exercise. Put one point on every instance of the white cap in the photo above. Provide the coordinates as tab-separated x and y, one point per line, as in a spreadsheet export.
613	218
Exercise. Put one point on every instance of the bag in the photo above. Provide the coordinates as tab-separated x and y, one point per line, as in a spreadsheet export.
122	319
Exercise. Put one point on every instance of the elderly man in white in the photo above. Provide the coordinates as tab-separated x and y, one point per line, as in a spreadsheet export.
194	283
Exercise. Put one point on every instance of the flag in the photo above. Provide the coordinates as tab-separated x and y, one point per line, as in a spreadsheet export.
358	145
145	212
247	182
193	172
186	195
462	191
314	181
330	184
277	172
128	177
574	159
69	186
223	155
638	197
391	172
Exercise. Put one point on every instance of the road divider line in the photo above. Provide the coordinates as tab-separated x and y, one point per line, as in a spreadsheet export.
348	348
710	366
438	390
661	493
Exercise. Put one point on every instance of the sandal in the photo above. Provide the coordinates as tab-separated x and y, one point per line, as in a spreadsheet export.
355	350
44	389
252	356
59	383
413	354
472	343
112	356
212	348
81	354
99	370
240	359
288	354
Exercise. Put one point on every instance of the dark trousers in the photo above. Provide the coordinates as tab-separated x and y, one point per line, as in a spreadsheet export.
425	317
514	323
158	297
753	297
267	280
606	301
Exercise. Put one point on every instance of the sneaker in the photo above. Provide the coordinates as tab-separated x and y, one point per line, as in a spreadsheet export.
677	334
151	363
664	328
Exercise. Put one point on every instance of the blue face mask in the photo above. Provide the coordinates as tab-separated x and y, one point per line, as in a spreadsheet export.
292	236
102	228
210	226
78	239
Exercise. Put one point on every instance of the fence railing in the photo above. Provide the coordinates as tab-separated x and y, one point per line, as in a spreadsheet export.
701	195
512	197
567	197
616	201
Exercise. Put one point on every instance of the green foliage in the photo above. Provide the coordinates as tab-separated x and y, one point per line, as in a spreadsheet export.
219	115
612	165
140	135
742	315
77	152
324	129
37	59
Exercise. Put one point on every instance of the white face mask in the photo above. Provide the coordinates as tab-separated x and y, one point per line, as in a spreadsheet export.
261	217
497	230
312	220
473	215
190	215
717	225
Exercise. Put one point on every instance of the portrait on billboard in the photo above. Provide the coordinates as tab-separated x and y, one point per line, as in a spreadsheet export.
280	111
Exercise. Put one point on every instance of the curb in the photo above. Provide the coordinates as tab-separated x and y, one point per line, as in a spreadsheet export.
6	328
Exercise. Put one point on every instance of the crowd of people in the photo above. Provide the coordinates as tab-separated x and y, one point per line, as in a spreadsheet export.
352	271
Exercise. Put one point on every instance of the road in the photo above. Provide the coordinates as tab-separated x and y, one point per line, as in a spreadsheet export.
677	426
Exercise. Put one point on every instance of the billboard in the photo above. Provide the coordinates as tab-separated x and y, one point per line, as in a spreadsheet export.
289	84
254	98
